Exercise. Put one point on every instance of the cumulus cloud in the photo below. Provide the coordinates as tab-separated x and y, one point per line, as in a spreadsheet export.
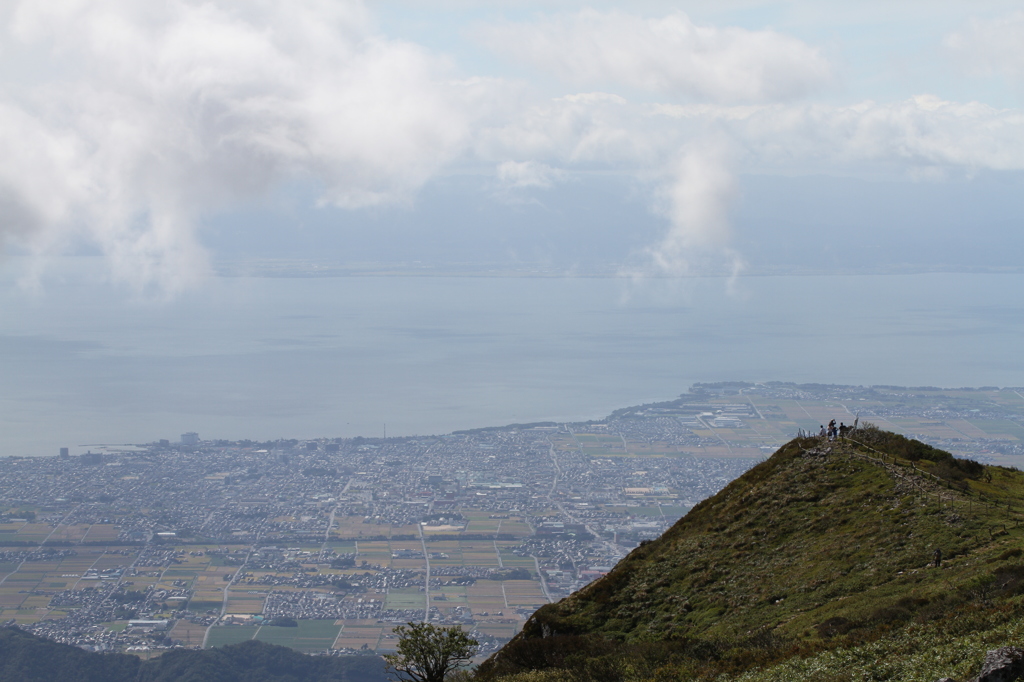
991	46
698	197
670	55
742	117
903	137
690	154
152	113
922	137
695	197
139	118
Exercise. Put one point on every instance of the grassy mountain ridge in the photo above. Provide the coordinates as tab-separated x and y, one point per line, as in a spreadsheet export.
821	547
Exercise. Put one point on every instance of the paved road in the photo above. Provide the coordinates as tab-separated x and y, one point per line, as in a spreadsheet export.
426	588
224	603
610	547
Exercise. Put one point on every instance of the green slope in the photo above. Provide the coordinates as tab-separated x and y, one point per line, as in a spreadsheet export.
823	546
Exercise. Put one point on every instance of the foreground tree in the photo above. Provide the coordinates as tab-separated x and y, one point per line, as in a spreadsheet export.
427	653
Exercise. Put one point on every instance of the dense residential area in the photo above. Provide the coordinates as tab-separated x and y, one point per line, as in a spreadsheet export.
326	545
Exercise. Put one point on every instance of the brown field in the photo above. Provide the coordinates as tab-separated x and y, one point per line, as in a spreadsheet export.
503	630
402	563
73	533
40	529
241	605
357	634
516	527
510	560
102	532
479	522
487	559
9	599
486	596
562	440
375	553
188	633
355	527
111	561
638	449
524	593
37	602
23	580
209	595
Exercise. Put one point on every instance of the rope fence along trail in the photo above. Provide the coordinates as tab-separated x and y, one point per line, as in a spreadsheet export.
897	468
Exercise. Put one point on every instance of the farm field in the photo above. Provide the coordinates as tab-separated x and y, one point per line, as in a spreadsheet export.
341	538
359	634
310	635
230	634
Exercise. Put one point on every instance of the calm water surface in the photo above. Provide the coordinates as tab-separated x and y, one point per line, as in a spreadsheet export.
80	362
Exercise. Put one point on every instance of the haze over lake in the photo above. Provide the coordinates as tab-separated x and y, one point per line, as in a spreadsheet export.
262	357
157	156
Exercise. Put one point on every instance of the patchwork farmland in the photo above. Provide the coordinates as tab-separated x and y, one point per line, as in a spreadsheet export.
329	544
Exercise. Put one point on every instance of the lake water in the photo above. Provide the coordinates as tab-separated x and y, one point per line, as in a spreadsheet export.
80	362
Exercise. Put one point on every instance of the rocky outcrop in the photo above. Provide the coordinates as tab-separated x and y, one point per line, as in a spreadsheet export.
1005	664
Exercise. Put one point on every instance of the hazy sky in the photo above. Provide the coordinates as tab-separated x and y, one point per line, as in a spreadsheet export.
147	146
661	138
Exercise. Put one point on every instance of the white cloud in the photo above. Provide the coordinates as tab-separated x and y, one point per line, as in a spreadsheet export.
156	112
142	117
689	154
696	197
991	46
575	130
524	174
699	193
670	55
902	137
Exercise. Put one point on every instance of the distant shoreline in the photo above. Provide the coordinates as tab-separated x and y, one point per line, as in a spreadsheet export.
312	270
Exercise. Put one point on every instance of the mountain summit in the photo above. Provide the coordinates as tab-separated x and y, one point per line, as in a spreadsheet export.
824	546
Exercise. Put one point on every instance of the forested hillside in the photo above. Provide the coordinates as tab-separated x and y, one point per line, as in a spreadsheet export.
27	658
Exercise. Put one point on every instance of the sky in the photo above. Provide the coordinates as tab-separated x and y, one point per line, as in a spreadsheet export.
643	139
172	172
